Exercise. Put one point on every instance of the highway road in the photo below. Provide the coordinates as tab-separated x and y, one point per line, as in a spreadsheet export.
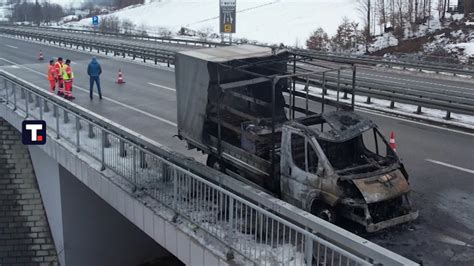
417	81
440	160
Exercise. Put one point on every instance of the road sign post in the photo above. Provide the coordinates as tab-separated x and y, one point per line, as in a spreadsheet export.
227	21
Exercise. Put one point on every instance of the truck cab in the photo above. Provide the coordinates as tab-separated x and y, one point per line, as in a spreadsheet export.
338	165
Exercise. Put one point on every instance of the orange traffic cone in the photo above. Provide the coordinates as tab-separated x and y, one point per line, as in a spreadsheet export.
40	56
120	77
392	143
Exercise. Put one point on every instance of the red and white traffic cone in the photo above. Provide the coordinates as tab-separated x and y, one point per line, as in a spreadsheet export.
40	55
392	143
120	77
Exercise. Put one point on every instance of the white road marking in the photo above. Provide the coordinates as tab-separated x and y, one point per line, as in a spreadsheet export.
161	86
105	98
451	166
451	240
11	46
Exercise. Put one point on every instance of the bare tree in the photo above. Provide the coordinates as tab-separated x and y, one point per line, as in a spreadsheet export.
364	7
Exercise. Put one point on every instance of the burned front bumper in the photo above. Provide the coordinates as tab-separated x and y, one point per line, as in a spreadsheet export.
374	227
358	211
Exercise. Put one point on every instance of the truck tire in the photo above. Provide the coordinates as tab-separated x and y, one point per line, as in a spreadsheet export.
324	211
213	162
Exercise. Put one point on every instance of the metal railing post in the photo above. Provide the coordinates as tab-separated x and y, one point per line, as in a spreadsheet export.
5	83
14	96
175	189
78	128
134	164
91	131
40	103
46	107
66	117
230	253
123	152
55	108
102	157
26	107
308	253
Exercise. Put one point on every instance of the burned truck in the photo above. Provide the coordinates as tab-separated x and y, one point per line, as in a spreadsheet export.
264	116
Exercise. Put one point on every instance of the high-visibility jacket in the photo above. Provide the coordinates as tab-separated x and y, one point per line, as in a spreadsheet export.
51	72
59	69
67	73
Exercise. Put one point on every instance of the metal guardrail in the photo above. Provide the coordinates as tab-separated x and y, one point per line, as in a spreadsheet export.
169	40
449	101
456	69
262	229
435	98
397	60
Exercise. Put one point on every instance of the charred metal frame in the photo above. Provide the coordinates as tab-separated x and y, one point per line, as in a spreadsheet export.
293	76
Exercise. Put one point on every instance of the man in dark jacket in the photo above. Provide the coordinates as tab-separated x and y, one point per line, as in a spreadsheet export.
94	70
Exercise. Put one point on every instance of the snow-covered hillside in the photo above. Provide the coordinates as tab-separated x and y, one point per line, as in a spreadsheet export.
270	21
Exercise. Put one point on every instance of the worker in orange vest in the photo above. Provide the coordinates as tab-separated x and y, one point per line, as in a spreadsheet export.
68	77
59	67
52	76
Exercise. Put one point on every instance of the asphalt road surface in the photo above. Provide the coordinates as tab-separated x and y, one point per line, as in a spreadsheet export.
440	161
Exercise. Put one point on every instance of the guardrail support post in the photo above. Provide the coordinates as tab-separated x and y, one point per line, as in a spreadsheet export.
418	110
123	152
66	117
448	115
22	94
91	131
78	128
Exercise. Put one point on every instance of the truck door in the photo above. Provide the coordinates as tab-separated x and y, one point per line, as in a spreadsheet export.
299	167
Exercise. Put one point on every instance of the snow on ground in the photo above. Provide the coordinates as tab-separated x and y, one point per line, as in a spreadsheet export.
468	47
268	21
386	40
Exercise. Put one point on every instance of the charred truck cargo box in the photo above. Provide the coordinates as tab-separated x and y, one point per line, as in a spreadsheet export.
251	110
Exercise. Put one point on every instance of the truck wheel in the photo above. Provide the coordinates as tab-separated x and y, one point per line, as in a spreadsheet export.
324	211
214	162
